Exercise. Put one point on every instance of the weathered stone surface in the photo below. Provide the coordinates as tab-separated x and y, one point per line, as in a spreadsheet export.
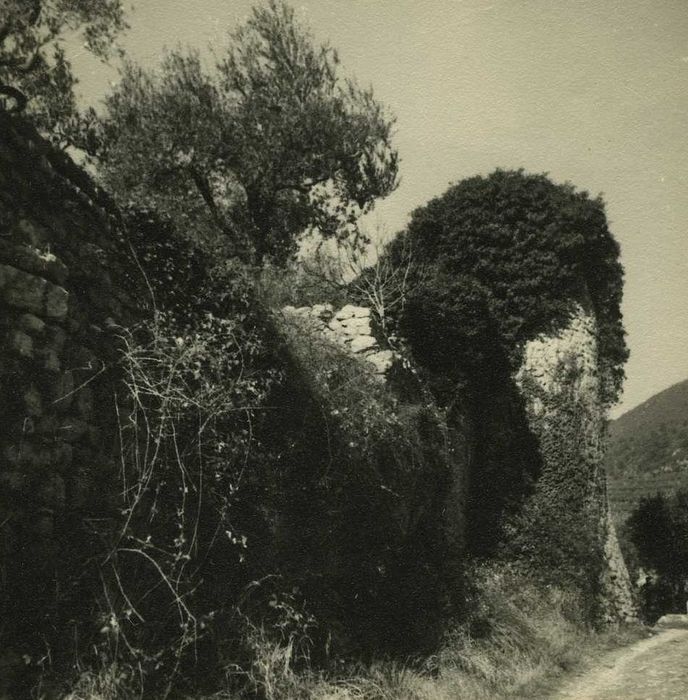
33	402
324	311
363	342
22	290
356	326
361	312
31	324
55	337
382	360
350	327
346	311
35	261
56	302
563	368
57	252
50	360
22	344
673	622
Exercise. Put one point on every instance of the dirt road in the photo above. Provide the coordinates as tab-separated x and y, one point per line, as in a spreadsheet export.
653	669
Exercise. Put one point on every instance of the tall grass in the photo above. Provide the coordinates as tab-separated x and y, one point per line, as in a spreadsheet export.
517	642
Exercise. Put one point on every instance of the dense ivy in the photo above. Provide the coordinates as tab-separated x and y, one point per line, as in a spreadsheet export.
534	248
497	261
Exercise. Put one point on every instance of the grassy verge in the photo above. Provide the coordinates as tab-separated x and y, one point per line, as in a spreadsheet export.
519	641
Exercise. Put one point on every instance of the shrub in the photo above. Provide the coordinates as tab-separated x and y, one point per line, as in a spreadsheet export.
372	473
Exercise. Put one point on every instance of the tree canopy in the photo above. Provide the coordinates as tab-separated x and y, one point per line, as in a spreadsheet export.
34	70
535	248
658	530
269	144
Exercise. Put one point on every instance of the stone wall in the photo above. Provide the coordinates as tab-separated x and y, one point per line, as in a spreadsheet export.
350	328
63	293
556	371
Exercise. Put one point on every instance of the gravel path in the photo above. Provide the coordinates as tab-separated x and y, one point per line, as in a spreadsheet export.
653	669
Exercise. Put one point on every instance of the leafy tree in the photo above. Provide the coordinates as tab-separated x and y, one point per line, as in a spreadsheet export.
34	70
535	247
658	530
270	144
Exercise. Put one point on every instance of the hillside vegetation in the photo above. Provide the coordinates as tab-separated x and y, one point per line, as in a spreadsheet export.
648	450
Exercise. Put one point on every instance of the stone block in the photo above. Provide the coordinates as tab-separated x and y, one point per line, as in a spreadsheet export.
33	402
50	360
675	621
31	324
55	337
362	343
346	311
36	261
22	290
22	344
56	302
357	326
361	312
382	360
323	311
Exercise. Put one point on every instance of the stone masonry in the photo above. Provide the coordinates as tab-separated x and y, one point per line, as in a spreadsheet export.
349	327
572	353
62	298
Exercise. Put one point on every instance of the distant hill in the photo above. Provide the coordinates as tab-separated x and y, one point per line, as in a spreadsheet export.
648	450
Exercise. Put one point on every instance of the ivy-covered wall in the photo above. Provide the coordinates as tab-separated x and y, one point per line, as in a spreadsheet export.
565	525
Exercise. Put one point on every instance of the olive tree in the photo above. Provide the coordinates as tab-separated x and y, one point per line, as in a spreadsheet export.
267	144
34	71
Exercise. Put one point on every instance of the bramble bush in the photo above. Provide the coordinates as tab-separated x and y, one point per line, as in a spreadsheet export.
279	503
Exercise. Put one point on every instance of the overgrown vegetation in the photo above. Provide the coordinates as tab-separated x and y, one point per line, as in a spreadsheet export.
287	524
529	249
507	257
655	538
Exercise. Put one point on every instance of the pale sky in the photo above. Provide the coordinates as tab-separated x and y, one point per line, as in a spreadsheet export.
590	91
